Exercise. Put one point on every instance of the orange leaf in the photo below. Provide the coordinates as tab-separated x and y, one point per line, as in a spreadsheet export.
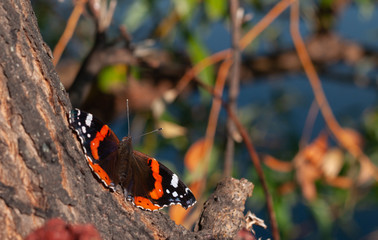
286	188
195	187
352	139
277	165
316	150
195	155
178	214
367	170
340	182
306	178
309	190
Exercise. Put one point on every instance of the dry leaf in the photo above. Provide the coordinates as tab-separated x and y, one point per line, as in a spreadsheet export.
308	164
178	213
172	130
340	182
286	188
251	219
316	150
332	163
307	174
352	140
195	154
368	170
192	160
277	165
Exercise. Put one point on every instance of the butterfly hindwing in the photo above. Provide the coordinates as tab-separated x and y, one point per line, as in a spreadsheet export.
167	189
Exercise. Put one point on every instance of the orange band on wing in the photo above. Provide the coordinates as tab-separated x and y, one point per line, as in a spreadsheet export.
100	172
95	143
145	203
157	192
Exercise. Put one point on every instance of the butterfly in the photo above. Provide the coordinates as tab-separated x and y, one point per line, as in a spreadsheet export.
146	182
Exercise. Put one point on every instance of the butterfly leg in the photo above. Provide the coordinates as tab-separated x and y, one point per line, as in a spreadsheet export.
128	196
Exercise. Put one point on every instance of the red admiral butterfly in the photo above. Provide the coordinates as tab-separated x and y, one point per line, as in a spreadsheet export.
146	182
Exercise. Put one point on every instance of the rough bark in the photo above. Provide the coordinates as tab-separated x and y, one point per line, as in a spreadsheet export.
222	213
43	173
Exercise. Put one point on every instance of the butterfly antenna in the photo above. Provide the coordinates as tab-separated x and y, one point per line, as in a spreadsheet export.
128	117
156	130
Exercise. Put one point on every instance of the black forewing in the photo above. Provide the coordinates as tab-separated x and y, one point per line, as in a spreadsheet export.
87	127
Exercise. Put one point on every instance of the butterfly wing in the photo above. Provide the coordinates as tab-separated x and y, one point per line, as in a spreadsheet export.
149	184
99	143
164	188
175	191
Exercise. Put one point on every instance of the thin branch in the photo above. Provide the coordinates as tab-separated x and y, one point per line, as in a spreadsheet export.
236	14
264	22
214	114
252	153
257	163
191	73
68	31
368	169
311	72
309	124
194	71
219	56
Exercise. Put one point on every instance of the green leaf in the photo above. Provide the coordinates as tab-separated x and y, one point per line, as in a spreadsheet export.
215	9
366	8
197	52
111	76
323	215
184	8
136	15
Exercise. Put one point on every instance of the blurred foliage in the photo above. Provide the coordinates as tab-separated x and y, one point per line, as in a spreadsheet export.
112	76
274	114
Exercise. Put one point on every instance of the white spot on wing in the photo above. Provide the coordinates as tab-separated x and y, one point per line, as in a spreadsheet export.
83	129
89	119
168	191
174	181
174	194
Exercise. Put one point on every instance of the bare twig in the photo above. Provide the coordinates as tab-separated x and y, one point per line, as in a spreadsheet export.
264	22
69	30
236	14
257	163
368	169
309	124
219	56
125	35
192	72
252	153
102	12
214	113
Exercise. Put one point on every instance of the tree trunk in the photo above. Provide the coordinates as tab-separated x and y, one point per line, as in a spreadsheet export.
43	172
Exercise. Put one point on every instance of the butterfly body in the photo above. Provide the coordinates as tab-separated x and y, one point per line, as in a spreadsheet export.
147	183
